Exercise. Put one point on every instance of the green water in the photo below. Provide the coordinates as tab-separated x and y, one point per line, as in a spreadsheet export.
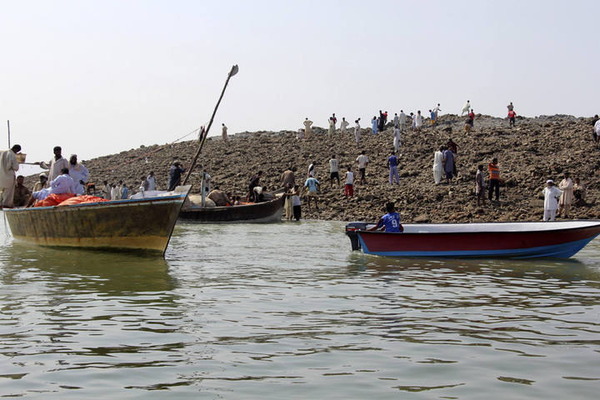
288	311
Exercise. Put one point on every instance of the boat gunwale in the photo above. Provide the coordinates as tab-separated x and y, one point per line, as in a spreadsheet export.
98	204
583	224
220	208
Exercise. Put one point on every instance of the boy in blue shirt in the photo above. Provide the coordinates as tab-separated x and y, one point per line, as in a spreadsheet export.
390	222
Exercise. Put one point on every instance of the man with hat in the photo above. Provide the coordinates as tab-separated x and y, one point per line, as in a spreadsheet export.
551	196
42	184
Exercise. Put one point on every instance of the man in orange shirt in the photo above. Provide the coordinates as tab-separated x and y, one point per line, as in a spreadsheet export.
494	186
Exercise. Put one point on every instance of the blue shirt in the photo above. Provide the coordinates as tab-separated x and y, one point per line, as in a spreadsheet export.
393	161
312	184
391	221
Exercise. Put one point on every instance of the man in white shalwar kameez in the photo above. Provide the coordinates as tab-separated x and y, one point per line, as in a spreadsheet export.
418	121
551	196
466	108
307	128
344	125
396	139
566	198
357	130
8	167
57	164
401	120
79	173
438	165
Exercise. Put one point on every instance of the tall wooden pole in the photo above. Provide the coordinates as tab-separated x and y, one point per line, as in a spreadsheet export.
234	70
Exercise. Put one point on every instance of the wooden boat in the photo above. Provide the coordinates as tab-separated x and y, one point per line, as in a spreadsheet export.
132	225
267	211
489	240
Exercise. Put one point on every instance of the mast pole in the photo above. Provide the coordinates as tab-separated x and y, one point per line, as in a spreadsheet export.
234	70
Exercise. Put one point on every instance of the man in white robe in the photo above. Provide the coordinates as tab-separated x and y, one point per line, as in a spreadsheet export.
56	165
438	165
357	130
151	179
224	132
401	120
8	167
466	108
396	139
566	198
79	173
344	125
551	196
307	128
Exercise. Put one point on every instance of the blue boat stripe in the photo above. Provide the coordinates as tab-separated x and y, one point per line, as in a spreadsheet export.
563	250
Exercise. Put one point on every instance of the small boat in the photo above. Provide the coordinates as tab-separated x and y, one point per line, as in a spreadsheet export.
266	211
478	240
142	225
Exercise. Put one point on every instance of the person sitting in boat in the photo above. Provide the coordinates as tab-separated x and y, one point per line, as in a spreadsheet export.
219	197
390	222
260	194
254	182
61	184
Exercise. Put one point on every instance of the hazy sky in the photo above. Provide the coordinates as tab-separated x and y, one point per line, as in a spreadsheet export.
101	76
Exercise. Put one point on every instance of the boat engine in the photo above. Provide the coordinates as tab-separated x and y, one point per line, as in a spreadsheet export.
351	230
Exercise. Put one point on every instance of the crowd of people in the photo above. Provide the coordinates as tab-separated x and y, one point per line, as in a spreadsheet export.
487	185
71	176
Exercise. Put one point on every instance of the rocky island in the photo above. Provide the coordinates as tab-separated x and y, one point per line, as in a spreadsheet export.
535	150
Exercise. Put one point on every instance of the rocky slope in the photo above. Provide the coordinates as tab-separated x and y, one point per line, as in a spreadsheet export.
535	150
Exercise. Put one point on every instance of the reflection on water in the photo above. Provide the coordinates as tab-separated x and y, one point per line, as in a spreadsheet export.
288	311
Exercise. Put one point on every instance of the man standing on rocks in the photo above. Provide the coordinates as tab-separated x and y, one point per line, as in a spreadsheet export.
332	122
438	165
224	132
551	196
349	183
307	128
344	125
494	171
312	185
512	115
396	142
466	108
311	169
597	129
480	186
392	164
401	120
334	172
374	125
566	198
449	165
357	130
288	178
362	161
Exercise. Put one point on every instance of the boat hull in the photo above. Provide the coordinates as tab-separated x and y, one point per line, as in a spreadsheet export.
511	240
135	225
265	212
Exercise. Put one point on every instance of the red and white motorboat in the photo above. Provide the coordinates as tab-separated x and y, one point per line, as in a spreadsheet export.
477	240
